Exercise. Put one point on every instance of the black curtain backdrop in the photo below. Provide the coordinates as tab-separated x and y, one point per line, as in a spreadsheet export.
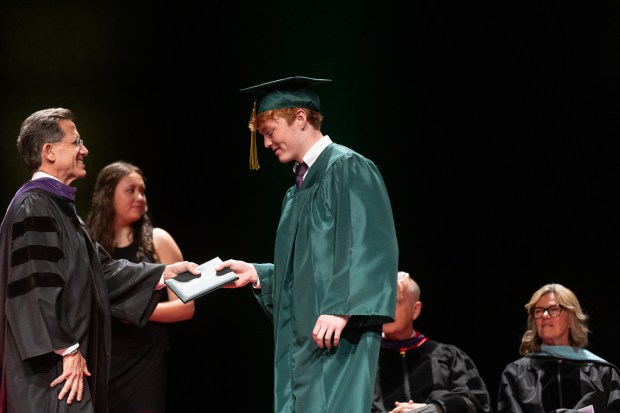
495	127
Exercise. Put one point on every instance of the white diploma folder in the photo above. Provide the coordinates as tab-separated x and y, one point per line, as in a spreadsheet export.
188	286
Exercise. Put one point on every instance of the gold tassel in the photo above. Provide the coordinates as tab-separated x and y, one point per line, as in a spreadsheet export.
253	150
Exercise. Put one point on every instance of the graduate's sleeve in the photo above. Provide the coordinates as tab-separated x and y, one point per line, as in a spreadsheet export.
264	295
36	281
365	252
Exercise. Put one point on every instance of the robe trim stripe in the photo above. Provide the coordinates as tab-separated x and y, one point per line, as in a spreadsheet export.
36	252
40	280
39	224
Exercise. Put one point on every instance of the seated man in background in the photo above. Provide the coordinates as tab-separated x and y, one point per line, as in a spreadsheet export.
421	375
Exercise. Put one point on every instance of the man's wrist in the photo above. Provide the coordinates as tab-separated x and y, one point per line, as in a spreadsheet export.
72	353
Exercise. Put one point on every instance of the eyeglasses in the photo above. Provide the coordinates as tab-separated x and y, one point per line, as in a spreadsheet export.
78	142
554	311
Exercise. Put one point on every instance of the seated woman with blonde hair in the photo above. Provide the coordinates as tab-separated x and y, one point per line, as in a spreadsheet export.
556	373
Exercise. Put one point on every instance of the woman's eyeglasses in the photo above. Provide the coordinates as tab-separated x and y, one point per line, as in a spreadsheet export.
553	310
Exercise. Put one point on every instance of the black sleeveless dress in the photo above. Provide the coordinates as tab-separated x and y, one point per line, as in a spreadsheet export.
138	368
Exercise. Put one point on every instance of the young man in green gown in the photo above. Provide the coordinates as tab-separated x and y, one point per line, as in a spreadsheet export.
332	283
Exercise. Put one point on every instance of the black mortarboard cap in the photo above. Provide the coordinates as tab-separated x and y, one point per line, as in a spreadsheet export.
290	92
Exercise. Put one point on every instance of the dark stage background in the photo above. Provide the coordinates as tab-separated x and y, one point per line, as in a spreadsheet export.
495	127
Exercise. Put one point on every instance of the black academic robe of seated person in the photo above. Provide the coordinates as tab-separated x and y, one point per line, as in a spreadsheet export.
57	288
426	371
541	383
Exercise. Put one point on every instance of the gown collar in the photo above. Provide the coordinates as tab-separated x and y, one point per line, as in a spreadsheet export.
416	341
566	352
51	185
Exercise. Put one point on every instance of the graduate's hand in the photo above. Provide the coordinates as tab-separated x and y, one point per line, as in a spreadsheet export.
73	371
327	330
245	271
172	270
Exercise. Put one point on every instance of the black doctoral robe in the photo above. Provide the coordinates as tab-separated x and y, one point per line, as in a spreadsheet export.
426	371
59	288
538	383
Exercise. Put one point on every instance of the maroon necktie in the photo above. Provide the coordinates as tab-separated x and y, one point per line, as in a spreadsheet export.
300	170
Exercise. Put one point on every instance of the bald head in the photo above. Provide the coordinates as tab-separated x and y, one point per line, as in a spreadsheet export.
410	289
408	307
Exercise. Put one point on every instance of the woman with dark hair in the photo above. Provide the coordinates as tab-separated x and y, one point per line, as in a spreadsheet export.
118	220
556	373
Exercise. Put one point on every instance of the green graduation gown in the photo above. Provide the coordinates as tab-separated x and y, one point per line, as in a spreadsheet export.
336	252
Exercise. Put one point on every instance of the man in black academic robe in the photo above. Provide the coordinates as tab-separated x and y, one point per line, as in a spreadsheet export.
429	372
58	288
57	295
421	374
